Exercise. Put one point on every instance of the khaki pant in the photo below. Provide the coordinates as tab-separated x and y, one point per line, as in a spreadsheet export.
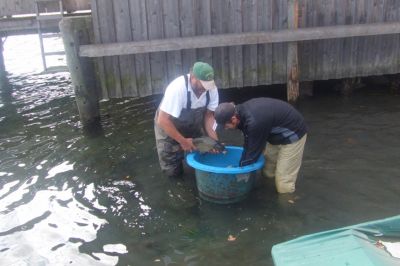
283	162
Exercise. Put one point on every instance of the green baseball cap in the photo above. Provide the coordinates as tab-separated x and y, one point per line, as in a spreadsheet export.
205	74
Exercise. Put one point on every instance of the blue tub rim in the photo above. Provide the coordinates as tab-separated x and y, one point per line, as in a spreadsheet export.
190	159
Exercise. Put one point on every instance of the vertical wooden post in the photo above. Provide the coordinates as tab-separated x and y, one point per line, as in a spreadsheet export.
2	65
395	84
306	89
76	31
292	56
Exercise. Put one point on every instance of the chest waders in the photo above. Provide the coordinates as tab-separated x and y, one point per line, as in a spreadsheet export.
190	124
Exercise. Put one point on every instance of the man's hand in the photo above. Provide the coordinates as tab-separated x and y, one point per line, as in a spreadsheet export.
215	151
187	145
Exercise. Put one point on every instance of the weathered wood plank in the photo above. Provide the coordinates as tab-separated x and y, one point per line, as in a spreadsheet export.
377	15
353	41
140	33
222	40
75	32
305	48
358	43
189	56
366	44
346	54
292	54
339	19
203	27
24	7
335	48
156	31
75	5
107	31
264	57
250	52
235	52
392	42
17	7
318	46
123	34
279	49
2	65
220	55
328	56
212	32
99	61
396	53
25	25
310	60
172	30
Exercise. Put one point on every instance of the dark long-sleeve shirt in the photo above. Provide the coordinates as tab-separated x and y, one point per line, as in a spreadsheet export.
265	120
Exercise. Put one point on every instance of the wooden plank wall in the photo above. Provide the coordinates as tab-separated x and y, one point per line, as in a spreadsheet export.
23	7
238	66
348	57
16	7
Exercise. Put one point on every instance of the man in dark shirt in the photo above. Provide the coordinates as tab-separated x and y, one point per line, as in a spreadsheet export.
272	126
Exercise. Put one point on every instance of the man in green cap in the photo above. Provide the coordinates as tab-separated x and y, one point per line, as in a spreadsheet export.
185	112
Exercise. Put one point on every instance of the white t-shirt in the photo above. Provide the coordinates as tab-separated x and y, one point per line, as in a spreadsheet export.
175	98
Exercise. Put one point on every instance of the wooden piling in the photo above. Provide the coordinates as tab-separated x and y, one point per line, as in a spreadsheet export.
292	54
75	32
2	65
394	87
306	89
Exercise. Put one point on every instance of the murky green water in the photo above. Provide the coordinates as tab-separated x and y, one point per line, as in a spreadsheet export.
67	198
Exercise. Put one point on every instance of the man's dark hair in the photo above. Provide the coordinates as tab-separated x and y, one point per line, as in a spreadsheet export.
224	113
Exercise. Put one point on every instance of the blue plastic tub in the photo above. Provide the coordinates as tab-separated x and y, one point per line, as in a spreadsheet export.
219	178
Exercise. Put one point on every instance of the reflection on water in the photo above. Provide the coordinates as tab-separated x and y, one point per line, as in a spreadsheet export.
23	54
68	198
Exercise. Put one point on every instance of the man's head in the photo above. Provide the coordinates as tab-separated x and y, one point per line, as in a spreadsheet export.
204	73
226	116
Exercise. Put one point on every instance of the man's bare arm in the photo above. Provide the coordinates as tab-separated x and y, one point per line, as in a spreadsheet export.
164	121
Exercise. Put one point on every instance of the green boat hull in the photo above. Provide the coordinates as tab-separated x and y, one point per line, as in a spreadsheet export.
356	245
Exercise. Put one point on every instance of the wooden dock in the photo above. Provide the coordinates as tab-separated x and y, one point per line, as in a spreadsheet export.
19	16
134	48
247	42
26	17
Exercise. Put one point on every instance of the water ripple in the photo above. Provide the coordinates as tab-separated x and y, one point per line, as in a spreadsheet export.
48	225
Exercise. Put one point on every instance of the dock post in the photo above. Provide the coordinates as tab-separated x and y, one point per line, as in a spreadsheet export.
76	31
306	89
3	73
292	55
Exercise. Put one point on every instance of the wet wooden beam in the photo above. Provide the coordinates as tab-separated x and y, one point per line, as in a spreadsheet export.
76	31
292	54
24	25
222	40
306	89
28	24
2	65
23	7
